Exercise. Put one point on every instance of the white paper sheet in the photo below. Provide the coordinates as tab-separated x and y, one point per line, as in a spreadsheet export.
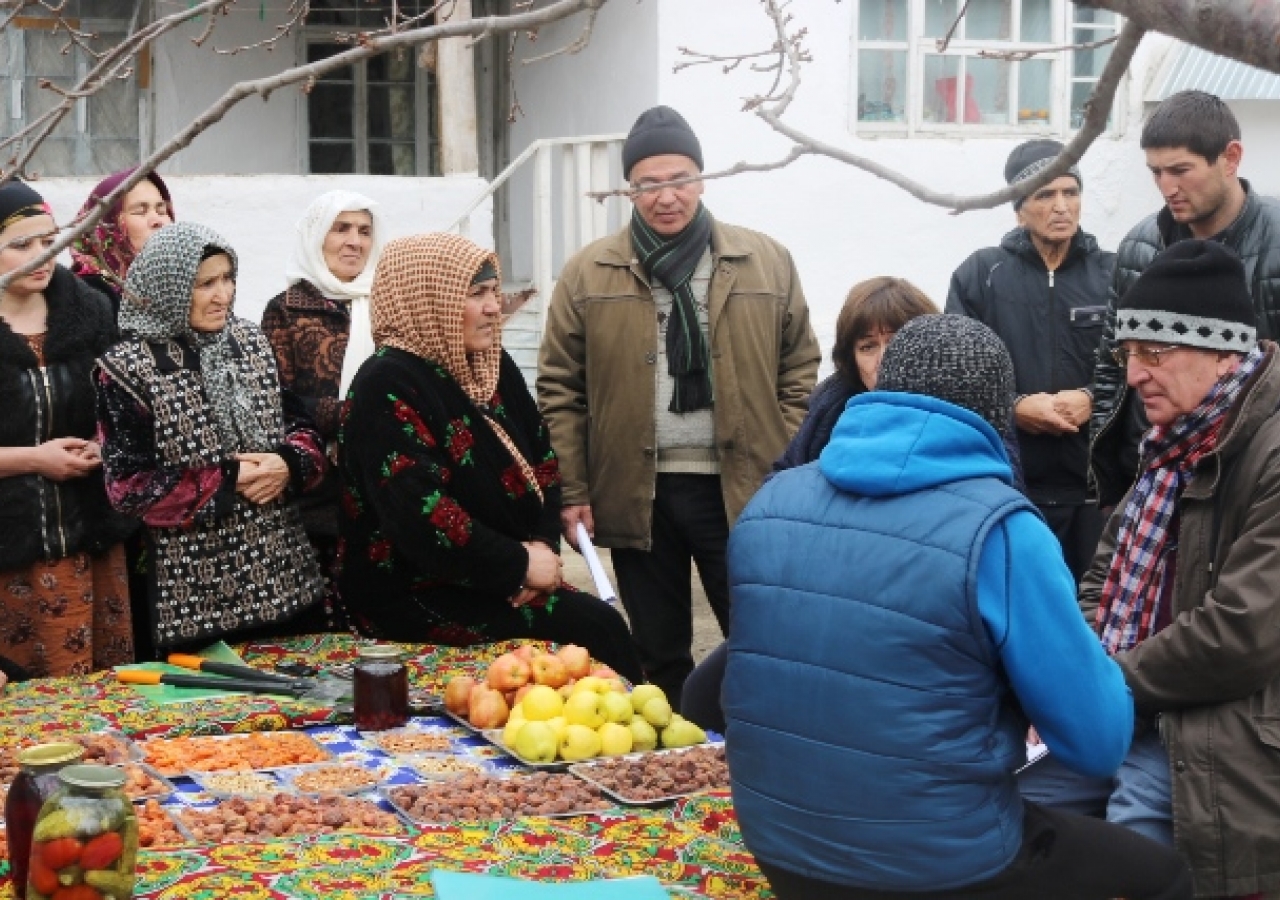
588	550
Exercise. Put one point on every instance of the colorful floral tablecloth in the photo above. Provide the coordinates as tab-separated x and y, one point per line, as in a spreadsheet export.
692	846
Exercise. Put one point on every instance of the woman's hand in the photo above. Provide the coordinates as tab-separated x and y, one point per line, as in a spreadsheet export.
543	574
62	459
263	477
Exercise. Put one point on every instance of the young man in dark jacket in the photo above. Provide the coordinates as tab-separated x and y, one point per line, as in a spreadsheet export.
1044	292
1193	148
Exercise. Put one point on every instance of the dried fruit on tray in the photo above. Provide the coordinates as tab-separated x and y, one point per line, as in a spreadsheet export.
140	783
474	797
443	766
242	783
286	815
406	741
660	775
156	828
339	778
258	750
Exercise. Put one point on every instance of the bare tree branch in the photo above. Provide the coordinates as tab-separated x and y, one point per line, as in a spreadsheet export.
297	9
569	49
1241	29
1023	55
736	169
372	46
945	40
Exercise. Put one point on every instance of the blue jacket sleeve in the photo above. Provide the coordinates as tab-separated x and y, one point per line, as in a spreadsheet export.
1072	692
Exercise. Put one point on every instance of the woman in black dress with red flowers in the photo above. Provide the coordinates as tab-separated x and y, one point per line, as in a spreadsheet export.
450	514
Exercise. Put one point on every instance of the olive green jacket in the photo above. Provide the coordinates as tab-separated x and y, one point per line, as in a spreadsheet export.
1213	675
596	376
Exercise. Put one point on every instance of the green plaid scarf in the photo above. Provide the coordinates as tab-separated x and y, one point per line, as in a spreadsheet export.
672	261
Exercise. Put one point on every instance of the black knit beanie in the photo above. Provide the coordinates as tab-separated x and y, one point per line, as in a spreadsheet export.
658	131
1032	158
952	358
18	201
1193	294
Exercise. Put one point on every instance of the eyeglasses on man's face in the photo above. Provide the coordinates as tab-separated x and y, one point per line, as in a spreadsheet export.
1148	356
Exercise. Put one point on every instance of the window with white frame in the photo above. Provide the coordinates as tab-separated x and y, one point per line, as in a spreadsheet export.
904	83
101	134
377	116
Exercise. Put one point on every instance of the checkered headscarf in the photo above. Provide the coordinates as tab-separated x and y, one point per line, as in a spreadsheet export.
1135	585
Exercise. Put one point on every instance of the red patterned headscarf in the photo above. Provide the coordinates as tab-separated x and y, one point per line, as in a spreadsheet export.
106	250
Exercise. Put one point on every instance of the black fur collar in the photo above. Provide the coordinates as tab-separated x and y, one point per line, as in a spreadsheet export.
79	323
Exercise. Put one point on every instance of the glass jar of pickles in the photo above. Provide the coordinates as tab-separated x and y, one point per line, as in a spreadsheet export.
36	782
381	687
85	843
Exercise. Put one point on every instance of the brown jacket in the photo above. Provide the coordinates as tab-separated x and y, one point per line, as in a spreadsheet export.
596	379
1213	674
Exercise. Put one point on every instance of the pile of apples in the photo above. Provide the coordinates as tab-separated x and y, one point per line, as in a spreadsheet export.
555	706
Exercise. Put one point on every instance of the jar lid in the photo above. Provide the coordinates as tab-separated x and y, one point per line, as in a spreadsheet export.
380	651
55	754
98	778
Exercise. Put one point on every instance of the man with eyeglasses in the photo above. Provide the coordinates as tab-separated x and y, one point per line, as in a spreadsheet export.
1193	148
1185	589
1043	290
677	362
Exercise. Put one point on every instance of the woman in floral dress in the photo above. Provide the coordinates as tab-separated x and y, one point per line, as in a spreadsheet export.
64	602
450	513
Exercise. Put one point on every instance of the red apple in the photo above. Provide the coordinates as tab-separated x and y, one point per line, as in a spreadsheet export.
525	652
509	673
604	672
490	711
519	695
457	694
550	670
577	661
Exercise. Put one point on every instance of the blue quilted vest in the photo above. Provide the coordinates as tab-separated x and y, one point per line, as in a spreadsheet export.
871	734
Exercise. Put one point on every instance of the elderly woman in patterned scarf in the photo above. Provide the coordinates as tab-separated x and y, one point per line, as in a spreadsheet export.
450	514
102	256
199	442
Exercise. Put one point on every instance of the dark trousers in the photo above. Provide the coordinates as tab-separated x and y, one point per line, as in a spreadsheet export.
1063	857
701	701
689	524
1078	528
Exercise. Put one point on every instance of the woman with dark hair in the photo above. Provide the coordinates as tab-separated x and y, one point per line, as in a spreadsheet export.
450	514
872	314
200	442
64	603
102	256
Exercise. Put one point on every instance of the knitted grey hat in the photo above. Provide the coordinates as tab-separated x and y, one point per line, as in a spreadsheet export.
659	131
1031	158
952	358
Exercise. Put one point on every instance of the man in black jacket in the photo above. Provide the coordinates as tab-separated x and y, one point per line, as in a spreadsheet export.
1193	148
1043	291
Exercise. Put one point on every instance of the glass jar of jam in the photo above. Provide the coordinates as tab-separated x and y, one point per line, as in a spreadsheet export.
85	843
36	782
381	684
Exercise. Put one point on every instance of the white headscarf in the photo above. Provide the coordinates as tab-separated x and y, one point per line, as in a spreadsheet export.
307	264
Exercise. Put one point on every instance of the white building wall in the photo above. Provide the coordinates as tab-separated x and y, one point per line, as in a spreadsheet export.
254	136
257	215
599	90
842	224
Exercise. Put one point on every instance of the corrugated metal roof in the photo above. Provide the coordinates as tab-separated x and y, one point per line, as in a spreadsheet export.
1205	71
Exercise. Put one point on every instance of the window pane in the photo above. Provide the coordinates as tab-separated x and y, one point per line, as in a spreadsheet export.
1080	92
392	159
113	111
44	54
1084	14
1037	20
941	76
329	111
54	157
938	16
317	52
987	82
1089	63
1035	80
394	66
882	85
40	100
882	20
989	20
391	112
112	156
332	159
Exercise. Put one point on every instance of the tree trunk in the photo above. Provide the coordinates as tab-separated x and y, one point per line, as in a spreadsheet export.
1247	30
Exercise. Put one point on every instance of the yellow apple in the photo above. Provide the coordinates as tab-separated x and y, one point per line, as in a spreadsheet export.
643	735
590	683
584	709
542	703
657	712
643	693
558	725
579	742
615	739
616	708
682	733
536	742
510	733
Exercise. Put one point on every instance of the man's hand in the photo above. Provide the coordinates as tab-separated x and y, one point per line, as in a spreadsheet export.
570	516
1038	414
62	459
263	477
1074	406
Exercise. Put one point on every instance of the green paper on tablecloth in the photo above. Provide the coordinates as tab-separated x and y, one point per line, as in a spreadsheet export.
466	886
164	694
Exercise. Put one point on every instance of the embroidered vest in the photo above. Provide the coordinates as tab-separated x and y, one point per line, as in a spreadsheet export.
251	567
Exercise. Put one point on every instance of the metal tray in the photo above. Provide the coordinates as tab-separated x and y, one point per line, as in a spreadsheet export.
326	753
396	816
461	721
167	786
188	839
379	770
376	739
583	770
387	795
494	736
276	786
474	766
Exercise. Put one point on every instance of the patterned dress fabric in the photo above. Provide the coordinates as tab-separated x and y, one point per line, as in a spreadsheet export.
68	616
222	564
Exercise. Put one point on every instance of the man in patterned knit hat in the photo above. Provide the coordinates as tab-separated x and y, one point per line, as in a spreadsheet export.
677	362
1183	591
